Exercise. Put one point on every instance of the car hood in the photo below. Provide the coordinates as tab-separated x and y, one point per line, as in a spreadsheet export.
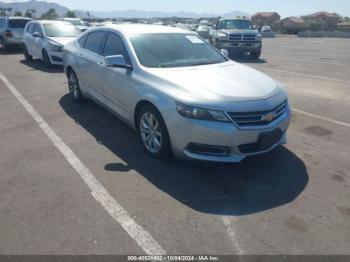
228	81
61	40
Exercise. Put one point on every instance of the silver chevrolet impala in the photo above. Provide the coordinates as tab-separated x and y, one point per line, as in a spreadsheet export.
183	96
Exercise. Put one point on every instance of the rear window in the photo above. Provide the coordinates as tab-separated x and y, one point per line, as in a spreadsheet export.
18	23
94	41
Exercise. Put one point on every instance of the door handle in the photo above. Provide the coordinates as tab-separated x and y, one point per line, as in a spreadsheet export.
100	63
81	55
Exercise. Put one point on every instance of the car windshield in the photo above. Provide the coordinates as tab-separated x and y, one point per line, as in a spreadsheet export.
61	30
235	24
18	23
174	50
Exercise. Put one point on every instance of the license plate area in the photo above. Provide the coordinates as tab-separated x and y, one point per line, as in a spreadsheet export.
269	139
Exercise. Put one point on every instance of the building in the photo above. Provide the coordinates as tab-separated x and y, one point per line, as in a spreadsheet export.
322	21
265	18
289	25
344	26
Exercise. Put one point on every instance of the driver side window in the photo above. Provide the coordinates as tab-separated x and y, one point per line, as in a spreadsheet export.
114	46
38	29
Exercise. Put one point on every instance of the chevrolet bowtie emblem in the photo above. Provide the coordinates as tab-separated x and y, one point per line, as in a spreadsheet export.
268	117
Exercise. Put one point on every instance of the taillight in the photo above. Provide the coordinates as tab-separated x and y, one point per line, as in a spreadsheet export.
8	34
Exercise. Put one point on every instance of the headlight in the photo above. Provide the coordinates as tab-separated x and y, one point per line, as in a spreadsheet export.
56	48
222	36
201	113
258	37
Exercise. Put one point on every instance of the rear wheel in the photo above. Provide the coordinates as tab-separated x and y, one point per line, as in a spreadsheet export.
255	55
3	45
46	58
153	133
74	87
27	56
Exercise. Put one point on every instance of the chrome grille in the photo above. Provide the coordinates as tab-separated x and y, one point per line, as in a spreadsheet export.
249	37
235	37
260	118
242	37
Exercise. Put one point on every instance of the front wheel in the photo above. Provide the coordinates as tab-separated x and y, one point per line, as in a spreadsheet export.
255	55
153	133
74	87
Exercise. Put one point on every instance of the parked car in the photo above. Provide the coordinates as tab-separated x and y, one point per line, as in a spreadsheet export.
11	32
181	94
237	36
204	31
266	32
45	40
80	24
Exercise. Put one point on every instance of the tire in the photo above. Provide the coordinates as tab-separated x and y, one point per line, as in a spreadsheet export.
153	133
74	88
255	55
4	46
46	59
27	56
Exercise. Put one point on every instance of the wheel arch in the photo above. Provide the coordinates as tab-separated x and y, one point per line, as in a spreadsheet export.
69	69
138	109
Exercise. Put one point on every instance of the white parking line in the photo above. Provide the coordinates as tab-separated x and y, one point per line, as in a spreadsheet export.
228	222
301	74
118	213
321	118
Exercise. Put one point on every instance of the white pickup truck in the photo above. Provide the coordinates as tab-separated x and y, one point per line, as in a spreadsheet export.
236	36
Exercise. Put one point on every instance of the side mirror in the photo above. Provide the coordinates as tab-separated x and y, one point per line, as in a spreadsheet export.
117	61
225	53
37	34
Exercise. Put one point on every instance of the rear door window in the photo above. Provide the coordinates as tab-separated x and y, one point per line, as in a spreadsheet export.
94	41
18	23
82	40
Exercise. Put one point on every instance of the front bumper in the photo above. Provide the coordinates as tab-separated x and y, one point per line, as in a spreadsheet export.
240	47
56	58
184	132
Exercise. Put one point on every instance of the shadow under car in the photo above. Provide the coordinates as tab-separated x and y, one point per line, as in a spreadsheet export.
255	185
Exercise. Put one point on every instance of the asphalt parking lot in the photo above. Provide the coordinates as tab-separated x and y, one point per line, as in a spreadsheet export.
294	200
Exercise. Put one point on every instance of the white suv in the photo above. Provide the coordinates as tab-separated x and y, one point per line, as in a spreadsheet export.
11	32
45	40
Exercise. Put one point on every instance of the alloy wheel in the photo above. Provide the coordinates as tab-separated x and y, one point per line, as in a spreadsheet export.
151	133
73	86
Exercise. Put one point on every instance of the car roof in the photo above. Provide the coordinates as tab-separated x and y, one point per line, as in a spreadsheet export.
135	29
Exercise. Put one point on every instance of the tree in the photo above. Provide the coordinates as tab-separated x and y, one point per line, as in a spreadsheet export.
50	15
70	14
2	11
30	13
18	13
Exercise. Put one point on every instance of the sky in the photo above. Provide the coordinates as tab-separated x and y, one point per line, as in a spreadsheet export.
283	7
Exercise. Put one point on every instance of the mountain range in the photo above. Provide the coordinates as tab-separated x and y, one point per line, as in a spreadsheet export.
43	6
